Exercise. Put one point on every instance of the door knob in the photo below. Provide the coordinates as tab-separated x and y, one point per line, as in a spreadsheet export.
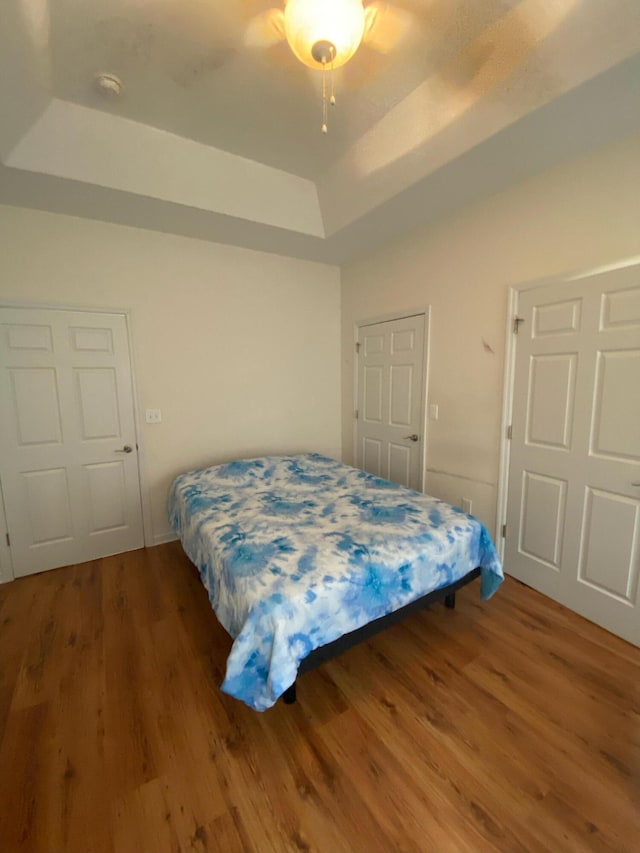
413	437
126	449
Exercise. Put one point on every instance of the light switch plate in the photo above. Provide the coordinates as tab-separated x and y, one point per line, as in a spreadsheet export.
153	416
465	504
433	411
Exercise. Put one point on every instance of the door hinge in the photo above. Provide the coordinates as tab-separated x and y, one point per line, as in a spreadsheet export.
356	414
510	432
8	540
504	531
516	324
357	346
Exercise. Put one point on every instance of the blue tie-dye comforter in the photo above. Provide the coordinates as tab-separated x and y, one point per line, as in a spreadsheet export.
296	551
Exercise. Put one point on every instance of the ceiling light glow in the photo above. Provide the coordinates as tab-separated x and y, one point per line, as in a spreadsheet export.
338	23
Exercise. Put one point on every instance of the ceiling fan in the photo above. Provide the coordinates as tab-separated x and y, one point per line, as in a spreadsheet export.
325	34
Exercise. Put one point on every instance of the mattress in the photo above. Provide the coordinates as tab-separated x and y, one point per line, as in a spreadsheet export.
296	551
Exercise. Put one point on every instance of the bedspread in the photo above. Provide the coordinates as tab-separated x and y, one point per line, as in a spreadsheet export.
296	551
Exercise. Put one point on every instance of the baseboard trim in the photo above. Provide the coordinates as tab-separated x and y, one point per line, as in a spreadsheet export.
162	538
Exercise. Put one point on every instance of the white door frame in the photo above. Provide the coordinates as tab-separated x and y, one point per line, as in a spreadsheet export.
385	318
6	565
509	376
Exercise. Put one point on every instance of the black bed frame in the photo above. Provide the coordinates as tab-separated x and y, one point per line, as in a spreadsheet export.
324	653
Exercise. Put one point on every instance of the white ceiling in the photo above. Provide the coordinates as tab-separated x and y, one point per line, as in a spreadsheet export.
222	142
186	71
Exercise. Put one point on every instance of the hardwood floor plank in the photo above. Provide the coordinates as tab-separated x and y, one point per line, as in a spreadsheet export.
506	726
227	835
24	779
437	753
76	726
329	812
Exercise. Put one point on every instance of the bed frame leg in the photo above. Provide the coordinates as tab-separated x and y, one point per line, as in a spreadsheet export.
450	600
289	696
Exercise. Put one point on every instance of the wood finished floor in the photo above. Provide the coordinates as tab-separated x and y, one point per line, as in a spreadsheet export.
507	726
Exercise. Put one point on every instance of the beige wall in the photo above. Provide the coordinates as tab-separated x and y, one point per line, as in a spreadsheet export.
239	349
582	214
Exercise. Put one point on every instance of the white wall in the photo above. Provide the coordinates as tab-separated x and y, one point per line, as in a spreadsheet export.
239	349
579	215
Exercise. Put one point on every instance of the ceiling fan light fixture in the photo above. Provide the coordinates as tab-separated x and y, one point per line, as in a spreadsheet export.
337	22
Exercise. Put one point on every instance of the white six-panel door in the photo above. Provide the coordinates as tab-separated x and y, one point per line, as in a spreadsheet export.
390	416
573	515
71	490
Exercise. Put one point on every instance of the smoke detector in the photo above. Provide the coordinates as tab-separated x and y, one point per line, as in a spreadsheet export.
108	85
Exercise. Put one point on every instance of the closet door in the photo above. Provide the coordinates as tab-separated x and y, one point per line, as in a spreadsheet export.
390	416
68	453
573	518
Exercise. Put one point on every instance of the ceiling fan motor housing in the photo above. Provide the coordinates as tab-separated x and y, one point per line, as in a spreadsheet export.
323	51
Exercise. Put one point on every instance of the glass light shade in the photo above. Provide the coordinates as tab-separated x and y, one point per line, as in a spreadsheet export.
340	22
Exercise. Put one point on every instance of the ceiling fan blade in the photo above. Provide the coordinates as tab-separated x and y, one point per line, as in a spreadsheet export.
266	29
385	26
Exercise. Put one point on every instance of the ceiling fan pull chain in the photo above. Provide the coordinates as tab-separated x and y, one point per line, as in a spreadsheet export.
332	100
324	96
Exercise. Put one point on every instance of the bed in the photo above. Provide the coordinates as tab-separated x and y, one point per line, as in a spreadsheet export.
302	554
